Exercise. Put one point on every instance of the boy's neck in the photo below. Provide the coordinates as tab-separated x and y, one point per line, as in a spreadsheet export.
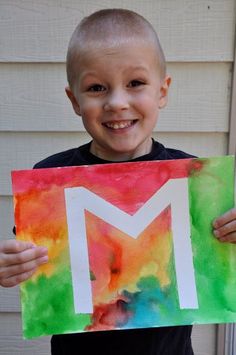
121	156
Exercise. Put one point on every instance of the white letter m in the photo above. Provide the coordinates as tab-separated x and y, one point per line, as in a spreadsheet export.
174	193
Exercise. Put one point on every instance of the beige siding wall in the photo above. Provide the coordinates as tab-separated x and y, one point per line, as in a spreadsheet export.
36	119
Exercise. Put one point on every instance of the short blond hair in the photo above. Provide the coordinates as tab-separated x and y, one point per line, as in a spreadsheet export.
104	26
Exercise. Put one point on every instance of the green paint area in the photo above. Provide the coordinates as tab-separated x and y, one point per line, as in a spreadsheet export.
49	307
214	262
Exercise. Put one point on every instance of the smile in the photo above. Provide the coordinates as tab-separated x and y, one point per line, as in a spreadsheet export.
119	124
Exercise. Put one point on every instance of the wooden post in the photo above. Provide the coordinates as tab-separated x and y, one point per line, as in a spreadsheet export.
232	123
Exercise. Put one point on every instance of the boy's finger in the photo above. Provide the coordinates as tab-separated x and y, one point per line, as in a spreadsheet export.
228	228
22	257
16	279
225	218
15	270
229	238
14	246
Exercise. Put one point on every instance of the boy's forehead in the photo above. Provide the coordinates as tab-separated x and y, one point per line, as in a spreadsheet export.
133	52
92	39
127	57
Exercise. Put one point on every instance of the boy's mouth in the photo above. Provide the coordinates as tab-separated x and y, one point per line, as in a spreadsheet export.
119	124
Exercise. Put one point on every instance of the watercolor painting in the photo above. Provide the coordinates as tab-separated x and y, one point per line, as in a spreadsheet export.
130	245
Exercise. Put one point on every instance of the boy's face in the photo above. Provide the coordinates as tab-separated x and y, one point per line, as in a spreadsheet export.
118	92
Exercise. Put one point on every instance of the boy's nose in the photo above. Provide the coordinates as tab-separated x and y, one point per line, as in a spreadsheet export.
116	101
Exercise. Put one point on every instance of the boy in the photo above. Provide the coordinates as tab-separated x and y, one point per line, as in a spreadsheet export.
117	84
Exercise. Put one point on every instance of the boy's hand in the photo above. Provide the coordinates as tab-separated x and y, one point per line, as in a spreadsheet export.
19	260
225	227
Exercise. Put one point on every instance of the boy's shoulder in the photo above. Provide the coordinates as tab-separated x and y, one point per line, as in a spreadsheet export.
68	157
178	154
160	152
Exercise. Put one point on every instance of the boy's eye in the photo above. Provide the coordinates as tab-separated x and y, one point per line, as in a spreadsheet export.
96	88
135	83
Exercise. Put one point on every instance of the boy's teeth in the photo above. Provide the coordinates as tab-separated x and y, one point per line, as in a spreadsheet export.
118	125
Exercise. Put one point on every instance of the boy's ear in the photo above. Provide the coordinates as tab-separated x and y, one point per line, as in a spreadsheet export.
164	91
73	100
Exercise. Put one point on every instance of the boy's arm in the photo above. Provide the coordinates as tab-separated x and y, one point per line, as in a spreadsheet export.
19	260
225	227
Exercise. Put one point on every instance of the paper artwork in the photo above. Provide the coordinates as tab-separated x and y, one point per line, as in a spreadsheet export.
130	245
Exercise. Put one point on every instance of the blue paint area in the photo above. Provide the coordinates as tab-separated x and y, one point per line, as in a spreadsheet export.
150	305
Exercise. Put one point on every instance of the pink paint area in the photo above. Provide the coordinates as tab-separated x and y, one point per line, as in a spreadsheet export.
110	315
118	261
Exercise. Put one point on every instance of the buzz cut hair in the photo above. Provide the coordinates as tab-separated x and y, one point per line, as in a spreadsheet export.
106	27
